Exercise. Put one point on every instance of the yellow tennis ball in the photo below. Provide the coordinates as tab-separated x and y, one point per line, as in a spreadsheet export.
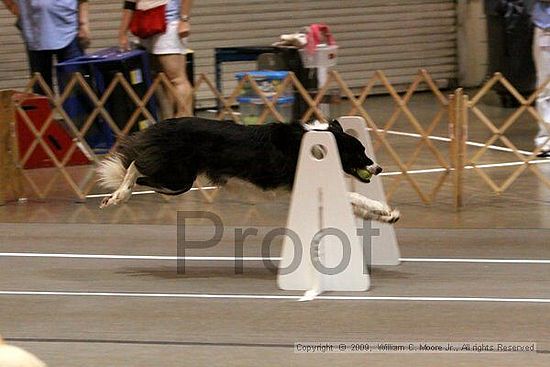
365	174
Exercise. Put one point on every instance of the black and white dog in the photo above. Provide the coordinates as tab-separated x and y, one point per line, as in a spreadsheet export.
169	156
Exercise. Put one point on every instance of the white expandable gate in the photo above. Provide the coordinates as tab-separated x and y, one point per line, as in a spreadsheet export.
323	232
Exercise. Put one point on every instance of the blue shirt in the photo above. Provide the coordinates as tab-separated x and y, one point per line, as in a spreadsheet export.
48	24
541	14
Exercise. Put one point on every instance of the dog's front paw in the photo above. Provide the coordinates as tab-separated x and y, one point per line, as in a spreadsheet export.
381	209
369	209
391	217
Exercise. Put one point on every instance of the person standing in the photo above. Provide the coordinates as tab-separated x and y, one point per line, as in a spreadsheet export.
51	28
540	15
509	41
168	50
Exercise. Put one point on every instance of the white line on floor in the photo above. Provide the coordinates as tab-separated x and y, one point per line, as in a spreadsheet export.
254	258
485	261
482	166
134	257
395	173
272	297
149	192
442	138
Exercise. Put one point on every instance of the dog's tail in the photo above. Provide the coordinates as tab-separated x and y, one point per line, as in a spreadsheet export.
111	172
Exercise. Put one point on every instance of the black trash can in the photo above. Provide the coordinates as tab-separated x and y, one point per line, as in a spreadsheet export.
288	58
509	39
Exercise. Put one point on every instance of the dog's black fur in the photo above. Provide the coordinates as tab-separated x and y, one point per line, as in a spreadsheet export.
172	153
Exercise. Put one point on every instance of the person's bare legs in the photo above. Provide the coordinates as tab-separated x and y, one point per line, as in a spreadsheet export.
174	66
541	56
165	100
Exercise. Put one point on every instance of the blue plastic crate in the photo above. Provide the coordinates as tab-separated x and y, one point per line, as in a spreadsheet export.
269	82
99	68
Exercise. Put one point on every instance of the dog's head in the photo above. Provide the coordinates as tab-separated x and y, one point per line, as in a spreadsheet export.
354	159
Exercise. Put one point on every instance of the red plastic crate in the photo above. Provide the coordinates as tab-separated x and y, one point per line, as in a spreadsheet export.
38	109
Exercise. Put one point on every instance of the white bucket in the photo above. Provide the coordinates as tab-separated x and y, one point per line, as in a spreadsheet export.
323	57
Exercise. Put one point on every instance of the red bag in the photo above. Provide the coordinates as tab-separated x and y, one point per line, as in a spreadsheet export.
147	23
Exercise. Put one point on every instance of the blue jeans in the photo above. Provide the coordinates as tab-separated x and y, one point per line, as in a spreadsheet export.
42	61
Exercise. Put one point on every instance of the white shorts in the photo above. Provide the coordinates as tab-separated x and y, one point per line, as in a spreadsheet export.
166	43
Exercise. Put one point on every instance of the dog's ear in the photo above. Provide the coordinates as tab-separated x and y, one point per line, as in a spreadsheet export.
335	126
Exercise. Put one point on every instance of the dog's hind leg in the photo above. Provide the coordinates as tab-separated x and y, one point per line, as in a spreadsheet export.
165	189
124	192
174	180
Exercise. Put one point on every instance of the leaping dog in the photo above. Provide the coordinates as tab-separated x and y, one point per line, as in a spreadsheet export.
168	157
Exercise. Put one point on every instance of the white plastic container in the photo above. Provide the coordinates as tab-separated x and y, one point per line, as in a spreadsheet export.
251	109
324	56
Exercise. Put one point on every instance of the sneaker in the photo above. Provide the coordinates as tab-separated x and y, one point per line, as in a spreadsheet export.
544	154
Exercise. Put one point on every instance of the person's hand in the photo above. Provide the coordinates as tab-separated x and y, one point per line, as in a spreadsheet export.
183	29
84	36
123	41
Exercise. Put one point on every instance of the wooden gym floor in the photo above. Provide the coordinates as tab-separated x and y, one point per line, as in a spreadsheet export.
478	275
